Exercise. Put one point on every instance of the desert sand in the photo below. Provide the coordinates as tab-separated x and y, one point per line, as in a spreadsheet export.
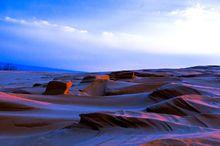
141	107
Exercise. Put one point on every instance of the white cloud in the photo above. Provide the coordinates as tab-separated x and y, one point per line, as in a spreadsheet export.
191	30
43	23
196	29
9	19
107	34
68	35
68	29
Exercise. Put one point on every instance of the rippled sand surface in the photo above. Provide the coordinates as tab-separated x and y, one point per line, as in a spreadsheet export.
144	107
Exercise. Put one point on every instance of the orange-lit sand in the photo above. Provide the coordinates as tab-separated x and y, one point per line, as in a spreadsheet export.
156	107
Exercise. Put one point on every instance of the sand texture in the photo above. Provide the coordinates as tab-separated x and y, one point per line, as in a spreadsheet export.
178	107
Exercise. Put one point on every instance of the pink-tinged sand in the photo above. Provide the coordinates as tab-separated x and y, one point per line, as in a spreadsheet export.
153	107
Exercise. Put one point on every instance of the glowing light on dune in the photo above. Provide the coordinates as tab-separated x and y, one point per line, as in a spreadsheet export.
20	99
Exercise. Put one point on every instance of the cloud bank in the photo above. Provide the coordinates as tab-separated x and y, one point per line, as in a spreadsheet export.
178	29
192	30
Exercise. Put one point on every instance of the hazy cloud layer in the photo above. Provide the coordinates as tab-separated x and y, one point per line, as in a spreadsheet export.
182	28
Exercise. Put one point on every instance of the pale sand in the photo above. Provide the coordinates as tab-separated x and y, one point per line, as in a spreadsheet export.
160	107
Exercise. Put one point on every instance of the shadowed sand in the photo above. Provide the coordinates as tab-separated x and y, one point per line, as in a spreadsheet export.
144	107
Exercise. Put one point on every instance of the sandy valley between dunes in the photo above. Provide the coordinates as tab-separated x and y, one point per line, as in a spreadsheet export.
144	107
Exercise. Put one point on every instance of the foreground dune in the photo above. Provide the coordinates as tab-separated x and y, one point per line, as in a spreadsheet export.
145	107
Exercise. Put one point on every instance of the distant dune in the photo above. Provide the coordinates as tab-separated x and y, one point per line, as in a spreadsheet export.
176	107
19	67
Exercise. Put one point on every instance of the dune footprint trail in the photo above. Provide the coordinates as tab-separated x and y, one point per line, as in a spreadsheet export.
144	107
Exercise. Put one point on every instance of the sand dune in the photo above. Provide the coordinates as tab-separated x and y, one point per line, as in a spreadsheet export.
210	139
148	121
187	105
144	107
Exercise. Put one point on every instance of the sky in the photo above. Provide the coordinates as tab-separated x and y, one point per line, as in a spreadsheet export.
105	35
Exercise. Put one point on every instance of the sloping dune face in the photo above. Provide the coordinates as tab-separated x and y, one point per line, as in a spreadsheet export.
144	107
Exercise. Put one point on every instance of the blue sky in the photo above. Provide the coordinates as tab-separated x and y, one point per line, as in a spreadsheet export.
98	35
